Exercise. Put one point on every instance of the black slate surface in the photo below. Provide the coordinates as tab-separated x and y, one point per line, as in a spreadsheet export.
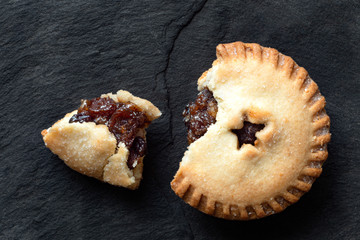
53	53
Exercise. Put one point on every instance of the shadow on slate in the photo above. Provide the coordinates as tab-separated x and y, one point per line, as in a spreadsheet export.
54	53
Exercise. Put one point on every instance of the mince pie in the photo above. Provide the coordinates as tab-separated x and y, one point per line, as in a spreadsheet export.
258	135
105	138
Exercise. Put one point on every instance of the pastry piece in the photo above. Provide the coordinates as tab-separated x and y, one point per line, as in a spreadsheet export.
258	135
105	138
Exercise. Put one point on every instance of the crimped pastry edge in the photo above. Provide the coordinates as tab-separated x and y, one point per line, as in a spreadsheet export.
182	186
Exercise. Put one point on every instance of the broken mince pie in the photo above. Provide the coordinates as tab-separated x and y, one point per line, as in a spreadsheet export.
258	135
105	138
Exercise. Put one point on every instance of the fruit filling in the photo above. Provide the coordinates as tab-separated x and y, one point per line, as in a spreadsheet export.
124	120
246	135
199	115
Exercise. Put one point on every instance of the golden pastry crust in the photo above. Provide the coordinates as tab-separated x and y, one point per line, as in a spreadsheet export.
262	86
85	147
91	149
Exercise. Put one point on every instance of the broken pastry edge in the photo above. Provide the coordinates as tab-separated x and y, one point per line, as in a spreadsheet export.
131	178
182	185
123	96
116	172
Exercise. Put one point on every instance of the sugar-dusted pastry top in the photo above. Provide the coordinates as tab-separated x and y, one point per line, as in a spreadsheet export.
91	149
261	86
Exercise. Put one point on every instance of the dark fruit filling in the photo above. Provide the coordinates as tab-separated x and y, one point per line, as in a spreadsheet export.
199	115
126	122
123	119
137	150
246	135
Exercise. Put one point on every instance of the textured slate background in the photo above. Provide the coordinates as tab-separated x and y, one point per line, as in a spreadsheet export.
53	53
